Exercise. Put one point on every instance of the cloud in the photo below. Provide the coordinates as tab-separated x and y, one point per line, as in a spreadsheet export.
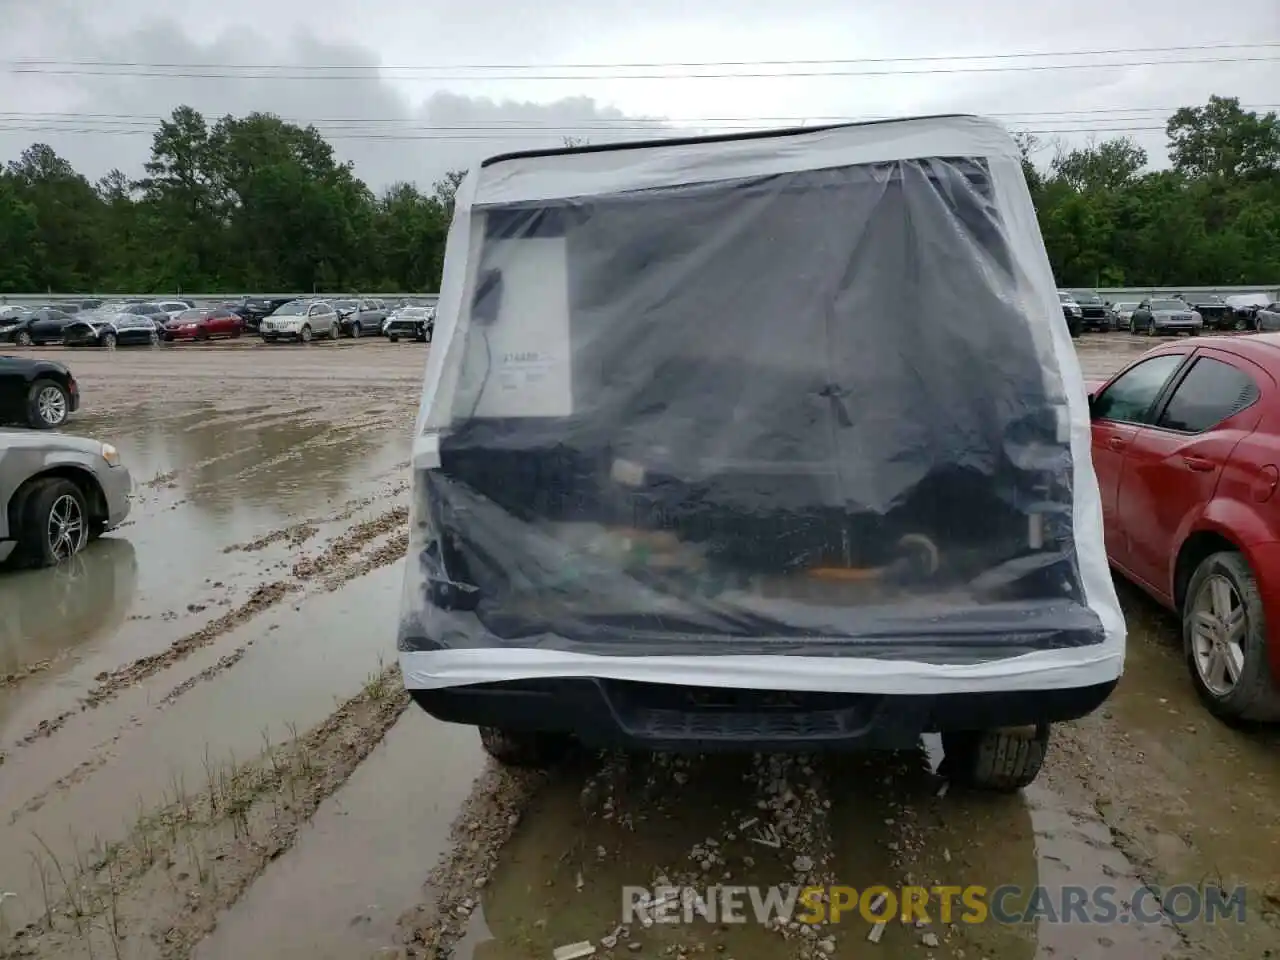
102	122
414	124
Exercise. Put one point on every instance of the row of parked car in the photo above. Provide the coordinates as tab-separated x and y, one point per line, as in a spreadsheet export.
1085	310
117	323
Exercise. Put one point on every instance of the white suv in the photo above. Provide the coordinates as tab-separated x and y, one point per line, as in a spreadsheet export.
302	320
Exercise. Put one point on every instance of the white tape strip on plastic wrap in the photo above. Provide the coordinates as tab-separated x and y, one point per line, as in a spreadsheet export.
1043	670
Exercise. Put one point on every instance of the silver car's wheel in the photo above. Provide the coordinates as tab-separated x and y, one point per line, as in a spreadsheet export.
334	331
23	339
355	330
305	334
1218	625
51	405
66	531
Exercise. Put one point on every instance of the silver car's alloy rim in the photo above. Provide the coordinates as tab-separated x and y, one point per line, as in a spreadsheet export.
52	405
355	331
1219	624
66	529
306	334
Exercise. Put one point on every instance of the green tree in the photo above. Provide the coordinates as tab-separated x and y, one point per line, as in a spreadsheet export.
1220	139
255	203
67	252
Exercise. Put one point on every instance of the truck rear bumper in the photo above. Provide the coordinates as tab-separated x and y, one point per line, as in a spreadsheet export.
677	718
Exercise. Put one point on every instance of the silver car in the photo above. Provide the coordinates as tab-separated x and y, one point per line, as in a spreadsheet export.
302	320
58	492
1268	317
1165	316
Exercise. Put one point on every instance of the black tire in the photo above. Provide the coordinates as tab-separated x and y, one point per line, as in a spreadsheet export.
22	338
44	411
514	748
355	330
1151	327
393	338
1133	326
36	523
1000	760
1255	695
202	335
109	341
305	333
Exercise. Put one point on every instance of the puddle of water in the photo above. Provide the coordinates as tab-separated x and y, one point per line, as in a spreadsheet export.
890	826
361	861
48	613
292	675
127	599
552	886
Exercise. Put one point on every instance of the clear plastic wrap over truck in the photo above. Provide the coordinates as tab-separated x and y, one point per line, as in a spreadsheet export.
793	411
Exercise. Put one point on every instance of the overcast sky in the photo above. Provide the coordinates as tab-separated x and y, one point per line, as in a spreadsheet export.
459	92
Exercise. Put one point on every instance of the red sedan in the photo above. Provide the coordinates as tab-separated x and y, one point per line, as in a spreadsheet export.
1186	446
203	323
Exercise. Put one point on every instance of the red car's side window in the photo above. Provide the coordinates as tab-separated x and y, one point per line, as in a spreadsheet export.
1130	397
1211	392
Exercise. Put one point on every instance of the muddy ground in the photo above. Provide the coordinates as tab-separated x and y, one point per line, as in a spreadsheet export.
207	752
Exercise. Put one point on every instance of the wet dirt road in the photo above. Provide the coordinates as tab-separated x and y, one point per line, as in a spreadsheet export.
207	752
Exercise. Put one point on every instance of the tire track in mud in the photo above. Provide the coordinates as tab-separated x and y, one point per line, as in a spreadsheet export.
298	532
168	478
164	886
267	595
383	554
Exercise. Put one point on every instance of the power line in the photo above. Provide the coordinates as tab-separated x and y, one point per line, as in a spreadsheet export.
493	136
532	129
1115	51
605	123
378	73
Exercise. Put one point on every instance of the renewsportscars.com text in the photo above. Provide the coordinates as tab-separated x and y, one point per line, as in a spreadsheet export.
1007	904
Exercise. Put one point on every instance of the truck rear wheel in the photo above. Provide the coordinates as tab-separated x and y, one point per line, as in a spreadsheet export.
1005	760
522	748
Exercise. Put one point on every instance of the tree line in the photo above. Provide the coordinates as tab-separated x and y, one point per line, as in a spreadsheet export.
255	203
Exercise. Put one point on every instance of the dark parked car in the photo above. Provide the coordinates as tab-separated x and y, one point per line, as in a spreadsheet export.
366	318
1165	316
64	307
41	326
1072	313
411	323
119	330
1244	308
38	393
1094	314
255	309
1214	311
